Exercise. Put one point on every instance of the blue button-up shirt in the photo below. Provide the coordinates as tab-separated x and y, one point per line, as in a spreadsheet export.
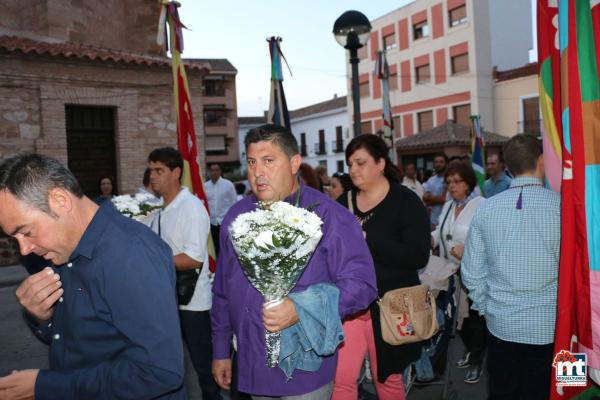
492	187
510	264
342	258
115	333
436	186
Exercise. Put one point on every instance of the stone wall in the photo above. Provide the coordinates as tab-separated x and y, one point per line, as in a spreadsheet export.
35	90
113	24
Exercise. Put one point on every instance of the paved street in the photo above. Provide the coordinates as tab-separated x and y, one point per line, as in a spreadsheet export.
20	349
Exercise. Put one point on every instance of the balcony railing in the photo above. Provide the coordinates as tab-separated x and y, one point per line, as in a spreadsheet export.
320	148
531	126
337	146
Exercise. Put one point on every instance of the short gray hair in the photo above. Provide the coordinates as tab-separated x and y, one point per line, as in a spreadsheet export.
30	177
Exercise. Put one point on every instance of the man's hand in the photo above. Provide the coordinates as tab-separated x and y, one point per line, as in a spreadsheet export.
20	385
221	370
280	317
38	293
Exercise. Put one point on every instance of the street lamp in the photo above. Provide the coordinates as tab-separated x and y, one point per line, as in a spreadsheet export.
351	31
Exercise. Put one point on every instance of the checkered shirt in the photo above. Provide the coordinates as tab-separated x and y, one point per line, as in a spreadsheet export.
510	263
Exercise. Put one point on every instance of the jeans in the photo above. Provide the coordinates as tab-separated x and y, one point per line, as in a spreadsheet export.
195	326
423	367
322	393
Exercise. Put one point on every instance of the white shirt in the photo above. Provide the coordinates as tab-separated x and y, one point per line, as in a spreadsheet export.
455	229
221	196
413	185
184	226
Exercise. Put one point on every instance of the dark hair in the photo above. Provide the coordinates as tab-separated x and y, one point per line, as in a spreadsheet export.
280	136
521	153
377	148
345	180
499	155
146	180
409	162
30	177
211	164
440	154
112	182
465	171
168	156
309	176
240	188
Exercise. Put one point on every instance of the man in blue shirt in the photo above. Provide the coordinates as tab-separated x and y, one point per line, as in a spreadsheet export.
510	267
498	180
435	189
108	307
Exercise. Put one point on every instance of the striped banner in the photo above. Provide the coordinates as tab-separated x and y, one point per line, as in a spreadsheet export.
477	151
186	132
278	111
569	51
382	71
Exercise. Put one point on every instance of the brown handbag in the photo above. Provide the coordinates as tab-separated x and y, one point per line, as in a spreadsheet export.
407	315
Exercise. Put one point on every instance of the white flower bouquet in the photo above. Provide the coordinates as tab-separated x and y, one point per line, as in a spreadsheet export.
274	244
136	206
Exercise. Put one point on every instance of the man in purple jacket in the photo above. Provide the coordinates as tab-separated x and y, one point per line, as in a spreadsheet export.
342	258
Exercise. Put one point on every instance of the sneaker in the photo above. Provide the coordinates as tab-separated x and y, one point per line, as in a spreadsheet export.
473	374
464	361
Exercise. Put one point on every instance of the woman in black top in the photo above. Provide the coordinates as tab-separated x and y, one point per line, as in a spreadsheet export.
396	229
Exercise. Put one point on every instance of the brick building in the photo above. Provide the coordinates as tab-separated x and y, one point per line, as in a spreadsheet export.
85	82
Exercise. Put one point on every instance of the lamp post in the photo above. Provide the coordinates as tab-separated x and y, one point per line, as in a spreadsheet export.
352	30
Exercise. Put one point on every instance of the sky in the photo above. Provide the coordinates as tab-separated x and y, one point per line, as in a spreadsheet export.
237	30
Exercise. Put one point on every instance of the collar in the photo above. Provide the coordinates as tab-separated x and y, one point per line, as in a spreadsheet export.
94	231
178	199
520	181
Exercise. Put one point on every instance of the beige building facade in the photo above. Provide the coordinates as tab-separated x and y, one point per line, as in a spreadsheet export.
441	55
516	101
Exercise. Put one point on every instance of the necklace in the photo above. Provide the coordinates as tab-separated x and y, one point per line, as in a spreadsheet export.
363	220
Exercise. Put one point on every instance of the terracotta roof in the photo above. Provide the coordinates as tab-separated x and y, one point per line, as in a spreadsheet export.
67	49
448	134
335	103
216	64
252	120
525	70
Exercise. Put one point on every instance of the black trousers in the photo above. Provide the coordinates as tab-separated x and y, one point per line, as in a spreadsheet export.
195	326
214	231
473	334
518	371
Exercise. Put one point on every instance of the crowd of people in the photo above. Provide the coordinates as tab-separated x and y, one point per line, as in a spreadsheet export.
118	300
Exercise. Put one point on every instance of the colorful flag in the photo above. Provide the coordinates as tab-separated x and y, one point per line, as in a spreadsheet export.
570	99
278	111
186	132
477	151
382	71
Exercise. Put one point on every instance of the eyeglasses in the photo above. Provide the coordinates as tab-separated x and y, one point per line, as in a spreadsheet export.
454	181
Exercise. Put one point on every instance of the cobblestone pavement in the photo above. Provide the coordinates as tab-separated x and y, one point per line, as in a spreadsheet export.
20	349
